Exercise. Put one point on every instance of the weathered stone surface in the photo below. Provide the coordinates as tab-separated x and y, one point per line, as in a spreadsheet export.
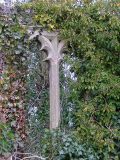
54	49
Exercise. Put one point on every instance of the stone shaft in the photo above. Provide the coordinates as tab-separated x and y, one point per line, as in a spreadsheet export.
54	95
54	48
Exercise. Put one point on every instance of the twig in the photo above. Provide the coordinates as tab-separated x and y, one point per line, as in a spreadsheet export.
33	157
30	155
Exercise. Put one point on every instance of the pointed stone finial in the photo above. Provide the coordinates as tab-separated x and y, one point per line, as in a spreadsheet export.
53	47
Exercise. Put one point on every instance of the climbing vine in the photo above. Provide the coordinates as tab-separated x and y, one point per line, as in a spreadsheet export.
12	83
92	34
91	31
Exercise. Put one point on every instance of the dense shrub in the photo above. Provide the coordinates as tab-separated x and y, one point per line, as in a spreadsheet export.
92	34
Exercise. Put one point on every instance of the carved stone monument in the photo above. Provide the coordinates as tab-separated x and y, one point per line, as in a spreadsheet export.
54	48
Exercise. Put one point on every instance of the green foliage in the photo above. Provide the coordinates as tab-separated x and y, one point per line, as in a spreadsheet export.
12	79
64	146
6	139
91	31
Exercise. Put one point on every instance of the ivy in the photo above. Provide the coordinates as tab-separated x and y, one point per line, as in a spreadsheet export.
91	31
12	83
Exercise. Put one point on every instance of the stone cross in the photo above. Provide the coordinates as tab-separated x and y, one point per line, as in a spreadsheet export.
54	48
